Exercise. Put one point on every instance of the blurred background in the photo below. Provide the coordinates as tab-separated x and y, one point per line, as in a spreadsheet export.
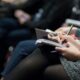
19	18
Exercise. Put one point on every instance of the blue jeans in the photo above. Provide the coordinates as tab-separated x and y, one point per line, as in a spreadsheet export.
6	25
22	50
9	24
10	34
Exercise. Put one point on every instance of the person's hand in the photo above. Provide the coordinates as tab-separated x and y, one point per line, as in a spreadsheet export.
22	16
62	31
66	29
72	51
57	36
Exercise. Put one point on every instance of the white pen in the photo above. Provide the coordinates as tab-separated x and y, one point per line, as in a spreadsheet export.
70	30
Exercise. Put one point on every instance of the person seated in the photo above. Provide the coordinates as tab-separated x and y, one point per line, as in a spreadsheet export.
11	32
46	15
50	17
41	64
25	48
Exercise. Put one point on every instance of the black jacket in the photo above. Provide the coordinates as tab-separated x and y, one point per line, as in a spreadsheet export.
55	12
31	6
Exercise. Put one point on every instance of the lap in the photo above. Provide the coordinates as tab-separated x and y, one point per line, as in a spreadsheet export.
33	66
55	72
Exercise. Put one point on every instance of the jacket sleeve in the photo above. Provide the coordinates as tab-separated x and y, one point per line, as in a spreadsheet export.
31	5
57	14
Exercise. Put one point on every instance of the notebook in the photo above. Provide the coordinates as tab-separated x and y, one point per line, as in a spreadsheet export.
41	38
41	33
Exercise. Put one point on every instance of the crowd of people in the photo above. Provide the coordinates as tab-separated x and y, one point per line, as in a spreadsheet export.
27	61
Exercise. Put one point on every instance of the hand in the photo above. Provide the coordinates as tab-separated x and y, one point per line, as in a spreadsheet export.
72	52
65	29
56	37
22	16
62	31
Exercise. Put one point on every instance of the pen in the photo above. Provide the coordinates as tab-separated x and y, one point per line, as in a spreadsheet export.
67	34
70	30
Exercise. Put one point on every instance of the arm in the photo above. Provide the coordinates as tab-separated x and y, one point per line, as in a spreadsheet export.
55	16
31	5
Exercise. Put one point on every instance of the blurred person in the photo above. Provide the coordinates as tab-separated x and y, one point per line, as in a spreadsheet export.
43	65
24	49
48	17
11	30
13	5
11	33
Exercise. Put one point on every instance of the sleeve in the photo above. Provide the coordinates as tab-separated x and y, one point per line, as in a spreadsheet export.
55	17
59	12
31	5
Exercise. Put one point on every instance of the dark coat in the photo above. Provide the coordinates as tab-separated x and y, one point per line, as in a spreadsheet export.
55	12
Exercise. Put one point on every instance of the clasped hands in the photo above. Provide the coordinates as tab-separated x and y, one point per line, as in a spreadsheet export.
71	51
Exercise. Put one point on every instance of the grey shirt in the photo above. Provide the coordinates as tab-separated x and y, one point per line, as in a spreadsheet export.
72	68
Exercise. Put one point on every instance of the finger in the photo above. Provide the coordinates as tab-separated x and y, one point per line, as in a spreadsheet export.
73	41
69	38
49	36
66	44
59	40
52	37
69	44
61	37
53	34
63	49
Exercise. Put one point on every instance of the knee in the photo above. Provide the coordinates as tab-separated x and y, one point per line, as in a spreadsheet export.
56	72
50	73
47	72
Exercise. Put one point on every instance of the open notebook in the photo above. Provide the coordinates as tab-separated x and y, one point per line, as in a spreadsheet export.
41	38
